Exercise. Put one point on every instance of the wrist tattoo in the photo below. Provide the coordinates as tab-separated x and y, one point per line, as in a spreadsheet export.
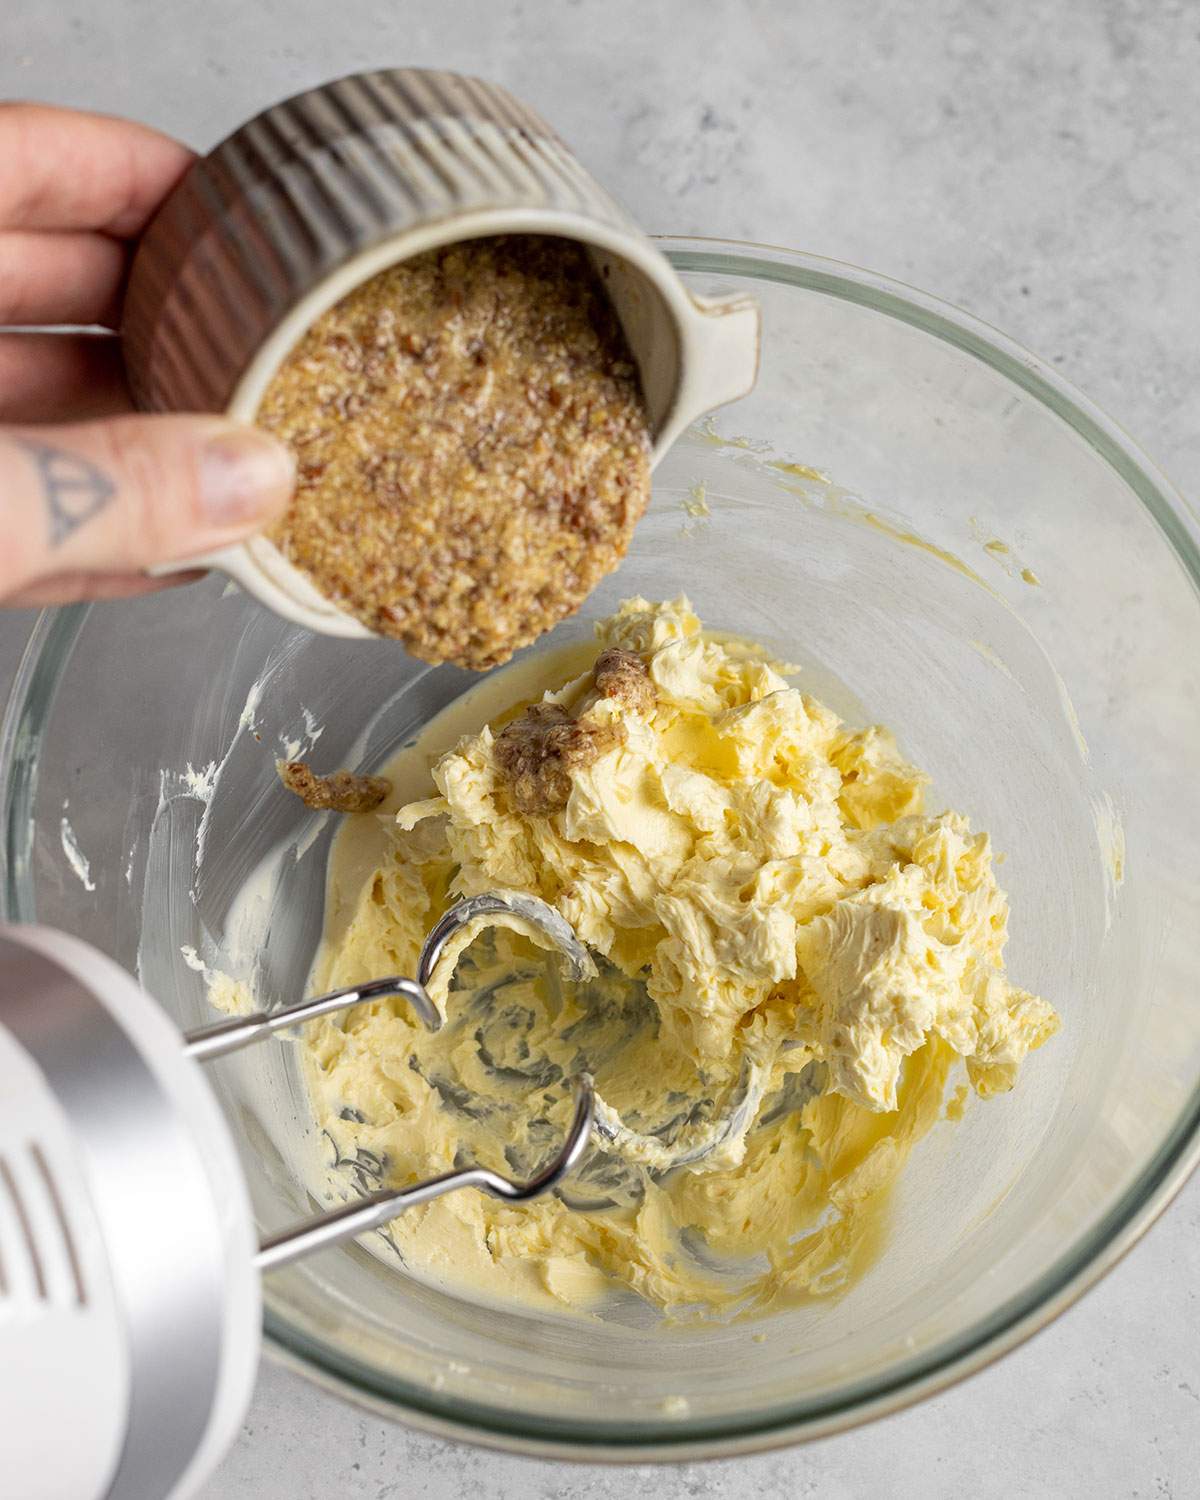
73	488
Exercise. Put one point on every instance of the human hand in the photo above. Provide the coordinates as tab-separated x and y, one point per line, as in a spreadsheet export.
91	494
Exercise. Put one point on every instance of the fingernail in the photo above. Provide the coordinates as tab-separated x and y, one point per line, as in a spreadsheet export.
244	476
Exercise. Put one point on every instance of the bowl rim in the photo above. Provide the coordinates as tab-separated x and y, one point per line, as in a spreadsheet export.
951	1359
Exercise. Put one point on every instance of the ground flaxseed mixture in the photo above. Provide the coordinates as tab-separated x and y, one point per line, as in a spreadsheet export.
472	446
342	792
538	751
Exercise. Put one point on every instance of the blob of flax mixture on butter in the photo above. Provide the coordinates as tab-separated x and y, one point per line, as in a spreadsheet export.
756	881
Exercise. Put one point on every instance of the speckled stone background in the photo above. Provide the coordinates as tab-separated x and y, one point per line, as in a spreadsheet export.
1037	163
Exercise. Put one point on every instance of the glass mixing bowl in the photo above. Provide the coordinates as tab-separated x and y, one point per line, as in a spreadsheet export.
951	542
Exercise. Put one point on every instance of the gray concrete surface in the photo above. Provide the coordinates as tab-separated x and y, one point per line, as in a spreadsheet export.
1036	163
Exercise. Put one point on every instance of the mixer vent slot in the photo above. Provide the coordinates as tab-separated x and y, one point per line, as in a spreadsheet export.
70	1250
24	1226
39	1248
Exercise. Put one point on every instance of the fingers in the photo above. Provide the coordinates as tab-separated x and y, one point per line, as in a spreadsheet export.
87	507
72	187
62	169
59	377
72	277
71	588
108	499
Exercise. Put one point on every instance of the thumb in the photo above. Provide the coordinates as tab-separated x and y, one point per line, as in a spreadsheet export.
86	507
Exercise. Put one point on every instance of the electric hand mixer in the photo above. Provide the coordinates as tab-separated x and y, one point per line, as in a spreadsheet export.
130	1267
129	1264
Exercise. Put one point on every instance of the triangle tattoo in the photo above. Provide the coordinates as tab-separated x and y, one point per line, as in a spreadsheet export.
74	489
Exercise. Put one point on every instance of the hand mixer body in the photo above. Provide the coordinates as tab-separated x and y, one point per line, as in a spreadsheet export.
130	1309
